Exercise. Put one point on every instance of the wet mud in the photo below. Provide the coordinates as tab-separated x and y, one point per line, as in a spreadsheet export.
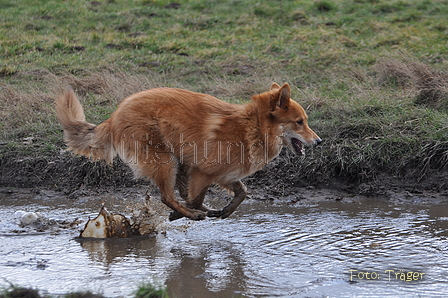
285	175
312	244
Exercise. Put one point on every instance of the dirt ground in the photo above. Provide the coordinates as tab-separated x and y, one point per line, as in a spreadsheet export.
73	176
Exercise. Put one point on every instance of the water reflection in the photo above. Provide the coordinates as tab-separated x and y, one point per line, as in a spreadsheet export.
192	269
209	270
108	251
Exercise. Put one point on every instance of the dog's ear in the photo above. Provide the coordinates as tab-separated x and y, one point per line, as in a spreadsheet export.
284	96
275	86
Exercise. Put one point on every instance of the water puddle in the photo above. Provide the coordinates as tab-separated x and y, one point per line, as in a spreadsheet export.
363	247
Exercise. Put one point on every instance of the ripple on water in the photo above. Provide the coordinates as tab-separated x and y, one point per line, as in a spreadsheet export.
277	250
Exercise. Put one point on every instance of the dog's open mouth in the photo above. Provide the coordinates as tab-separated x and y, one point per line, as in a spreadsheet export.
298	146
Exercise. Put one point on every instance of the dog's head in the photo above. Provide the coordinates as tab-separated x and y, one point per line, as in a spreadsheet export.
292	120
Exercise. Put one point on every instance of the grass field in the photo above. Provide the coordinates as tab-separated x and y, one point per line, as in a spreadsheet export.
372	74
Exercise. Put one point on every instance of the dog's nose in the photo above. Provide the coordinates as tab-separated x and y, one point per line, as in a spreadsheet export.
318	141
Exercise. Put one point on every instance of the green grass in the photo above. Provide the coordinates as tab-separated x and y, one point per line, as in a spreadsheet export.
14	291
76	35
151	290
359	67
145	290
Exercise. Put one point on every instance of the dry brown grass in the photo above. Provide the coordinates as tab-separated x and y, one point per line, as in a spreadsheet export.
21	102
27	109
429	84
34	101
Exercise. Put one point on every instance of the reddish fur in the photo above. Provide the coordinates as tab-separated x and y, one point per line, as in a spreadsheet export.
175	136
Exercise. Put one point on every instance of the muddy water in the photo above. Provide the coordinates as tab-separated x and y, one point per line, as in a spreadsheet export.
356	247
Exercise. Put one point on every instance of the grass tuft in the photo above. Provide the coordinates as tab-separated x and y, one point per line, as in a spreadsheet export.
431	85
324	5
151	290
19	292
433	155
145	290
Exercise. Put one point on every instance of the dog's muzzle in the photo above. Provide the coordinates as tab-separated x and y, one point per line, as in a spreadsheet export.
299	148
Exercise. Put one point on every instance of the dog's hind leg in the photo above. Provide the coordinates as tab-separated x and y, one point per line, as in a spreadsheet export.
240	194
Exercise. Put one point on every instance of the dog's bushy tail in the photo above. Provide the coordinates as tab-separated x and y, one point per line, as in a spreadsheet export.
83	138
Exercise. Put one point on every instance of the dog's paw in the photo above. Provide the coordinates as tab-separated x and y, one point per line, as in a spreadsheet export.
225	214
198	216
214	213
194	216
175	215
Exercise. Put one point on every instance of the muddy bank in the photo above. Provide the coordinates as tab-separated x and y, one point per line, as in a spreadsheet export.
285	176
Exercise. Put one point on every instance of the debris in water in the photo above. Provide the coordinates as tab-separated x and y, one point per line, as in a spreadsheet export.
28	218
143	222
375	245
146	221
38	222
108	225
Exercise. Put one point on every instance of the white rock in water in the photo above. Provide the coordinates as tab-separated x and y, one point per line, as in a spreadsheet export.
19	213
28	218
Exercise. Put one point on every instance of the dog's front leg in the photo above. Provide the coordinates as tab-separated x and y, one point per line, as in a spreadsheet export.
192	204
166	180
180	210
182	186
240	191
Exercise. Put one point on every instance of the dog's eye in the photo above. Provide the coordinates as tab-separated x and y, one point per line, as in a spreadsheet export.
300	122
